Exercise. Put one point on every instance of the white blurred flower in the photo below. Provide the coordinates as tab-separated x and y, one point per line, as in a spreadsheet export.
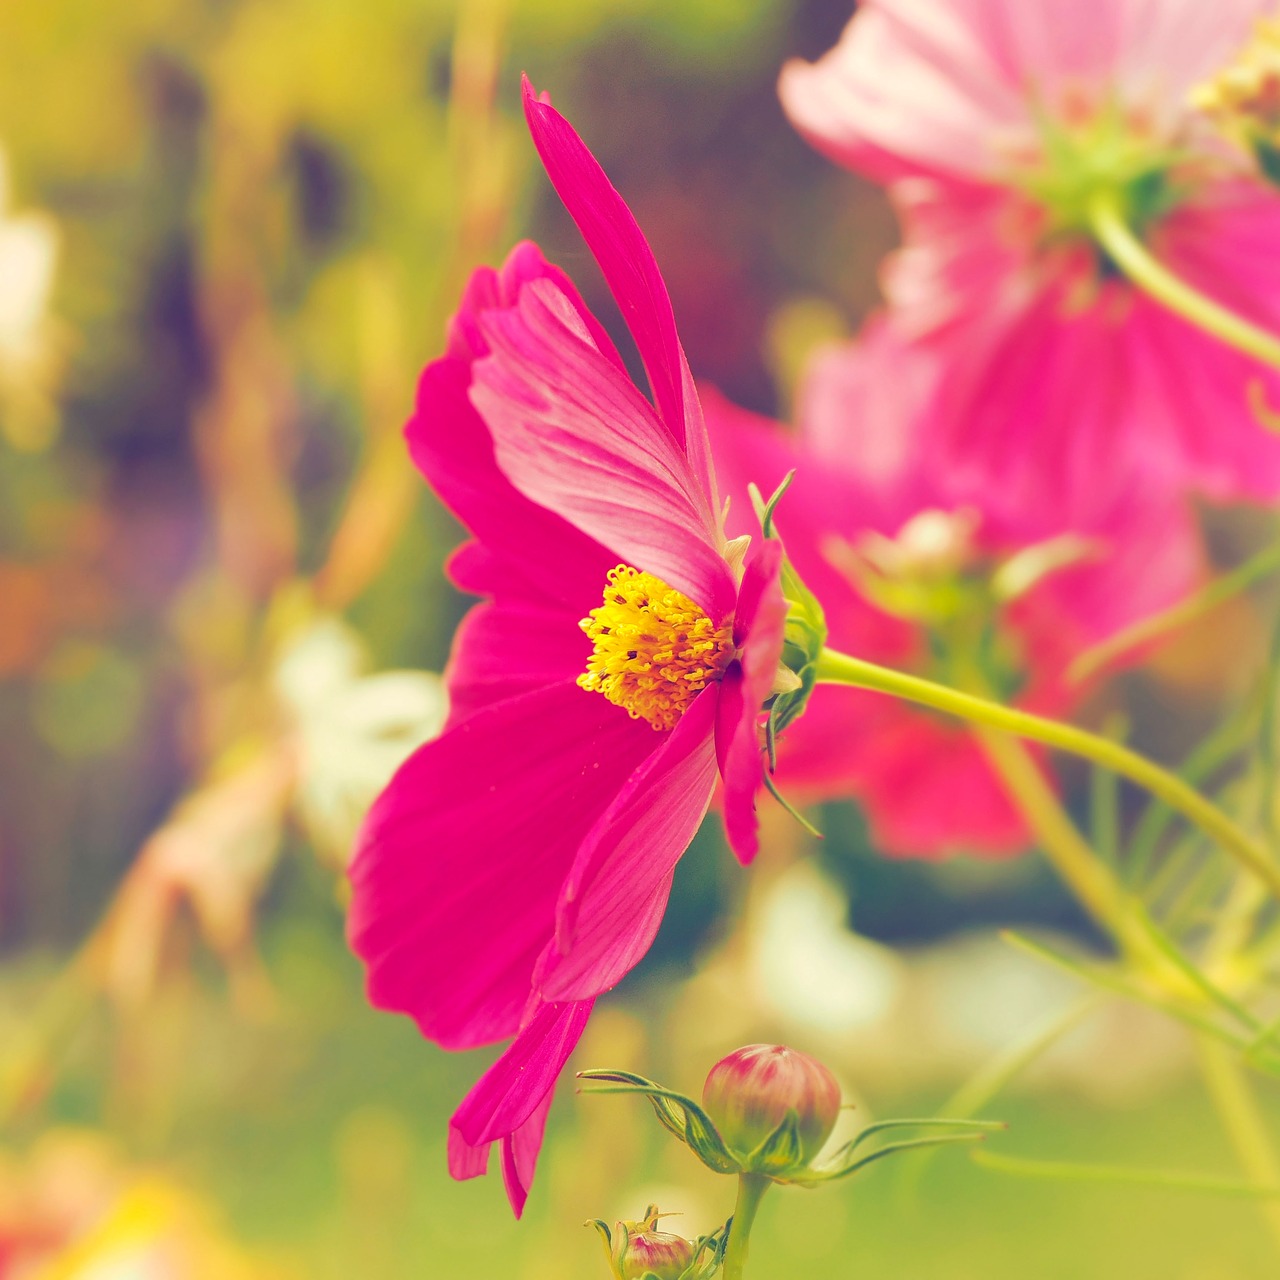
28	346
353	730
809	967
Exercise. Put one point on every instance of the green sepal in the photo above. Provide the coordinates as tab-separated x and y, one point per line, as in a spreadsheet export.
781	1152
806	626
679	1114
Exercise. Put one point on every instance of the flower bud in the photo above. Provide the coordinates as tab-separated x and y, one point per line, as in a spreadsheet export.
752	1093
639	1249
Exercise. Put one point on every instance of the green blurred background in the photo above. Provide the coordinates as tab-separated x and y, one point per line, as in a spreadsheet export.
231	234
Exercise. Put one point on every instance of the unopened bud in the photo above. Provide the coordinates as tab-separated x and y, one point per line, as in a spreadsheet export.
756	1091
638	1249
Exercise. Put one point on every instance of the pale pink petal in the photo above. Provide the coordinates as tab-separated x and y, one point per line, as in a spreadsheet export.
910	87
758	628
613	900
575	435
1168	47
956	89
461	861
631	272
511	1100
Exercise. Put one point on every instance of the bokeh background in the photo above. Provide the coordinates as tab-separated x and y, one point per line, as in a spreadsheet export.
231	232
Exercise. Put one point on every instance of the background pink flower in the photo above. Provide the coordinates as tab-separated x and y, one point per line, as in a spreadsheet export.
520	864
992	120
864	467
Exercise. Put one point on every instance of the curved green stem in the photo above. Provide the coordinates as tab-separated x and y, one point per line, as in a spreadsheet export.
1126	250
840	668
751	1189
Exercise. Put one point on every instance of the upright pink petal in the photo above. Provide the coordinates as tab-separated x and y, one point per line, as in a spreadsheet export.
575	435
758	628
461	861
510	1101
617	891
453	448
631	272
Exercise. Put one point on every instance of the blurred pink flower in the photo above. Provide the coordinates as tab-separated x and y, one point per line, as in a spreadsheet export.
993	121
520	864
914	572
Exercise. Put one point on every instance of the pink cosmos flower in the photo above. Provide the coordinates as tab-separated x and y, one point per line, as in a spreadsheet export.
993	122
918	574
519	865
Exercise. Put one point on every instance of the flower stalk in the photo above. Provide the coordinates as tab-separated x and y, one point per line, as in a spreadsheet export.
840	668
751	1189
1126	250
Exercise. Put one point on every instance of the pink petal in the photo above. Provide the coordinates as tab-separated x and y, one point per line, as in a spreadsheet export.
490	290
452	447
837	492
758	627
910	87
511	1100
614	898
576	436
512	646
520	1155
929	792
953	90
631	272
461	861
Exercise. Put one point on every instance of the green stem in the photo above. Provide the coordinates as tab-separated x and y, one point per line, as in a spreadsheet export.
1126	250
1086	875
751	1189
840	668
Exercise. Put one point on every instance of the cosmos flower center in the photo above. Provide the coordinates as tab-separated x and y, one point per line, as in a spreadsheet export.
655	650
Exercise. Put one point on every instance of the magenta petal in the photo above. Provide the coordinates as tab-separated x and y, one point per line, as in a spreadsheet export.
490	290
523	542
520	1155
629	268
576	436
511	1100
508	647
758	627
461	861
615	896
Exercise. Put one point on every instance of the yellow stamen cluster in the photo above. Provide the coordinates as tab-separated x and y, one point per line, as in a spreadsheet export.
655	650
1246	94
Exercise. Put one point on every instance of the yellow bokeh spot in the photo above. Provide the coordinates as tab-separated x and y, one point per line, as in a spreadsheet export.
655	650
